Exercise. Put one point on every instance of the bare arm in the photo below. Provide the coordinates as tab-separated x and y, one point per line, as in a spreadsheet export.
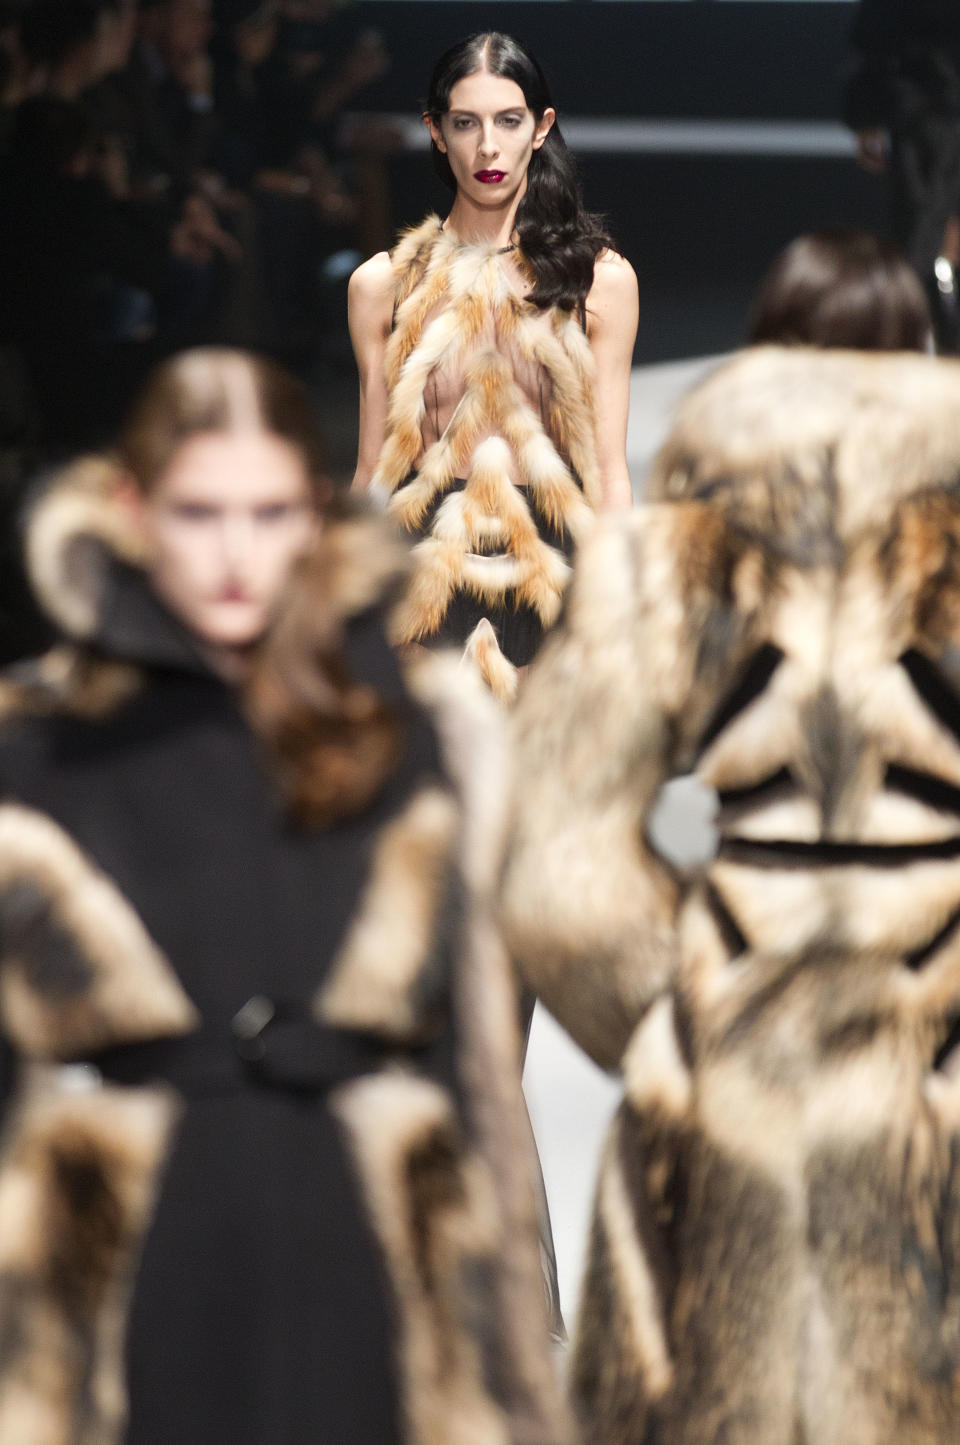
370	312
612	316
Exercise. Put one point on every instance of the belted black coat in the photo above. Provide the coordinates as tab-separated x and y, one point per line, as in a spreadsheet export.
281	1220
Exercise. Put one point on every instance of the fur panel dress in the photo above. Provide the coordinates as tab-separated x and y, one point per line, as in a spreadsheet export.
263	1175
489	457
775	1256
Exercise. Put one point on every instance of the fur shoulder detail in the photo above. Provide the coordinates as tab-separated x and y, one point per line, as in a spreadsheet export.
67	679
809	448
414	239
362	559
71	528
81	971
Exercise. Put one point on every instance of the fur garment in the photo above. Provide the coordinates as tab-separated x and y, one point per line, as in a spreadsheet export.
457	309
775	1257
443	1175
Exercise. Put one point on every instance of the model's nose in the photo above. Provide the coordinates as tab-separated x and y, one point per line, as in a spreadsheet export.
237	541
489	146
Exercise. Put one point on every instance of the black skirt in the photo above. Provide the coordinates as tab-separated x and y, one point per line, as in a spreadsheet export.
518	627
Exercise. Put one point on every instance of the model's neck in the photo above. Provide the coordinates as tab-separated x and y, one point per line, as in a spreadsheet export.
493	225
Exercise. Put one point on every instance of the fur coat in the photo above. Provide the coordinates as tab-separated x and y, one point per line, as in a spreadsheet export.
500	496
775	1256
438	1158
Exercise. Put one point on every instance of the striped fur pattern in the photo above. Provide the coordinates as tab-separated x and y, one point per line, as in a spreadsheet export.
775	1256
458	308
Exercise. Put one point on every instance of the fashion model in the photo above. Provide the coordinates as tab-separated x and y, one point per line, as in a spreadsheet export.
775	1248
494	350
263	1175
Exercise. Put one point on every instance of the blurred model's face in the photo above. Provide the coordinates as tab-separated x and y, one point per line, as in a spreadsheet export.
488	135
224	525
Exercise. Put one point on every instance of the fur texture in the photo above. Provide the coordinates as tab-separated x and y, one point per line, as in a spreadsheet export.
776	1245
76	1187
456	308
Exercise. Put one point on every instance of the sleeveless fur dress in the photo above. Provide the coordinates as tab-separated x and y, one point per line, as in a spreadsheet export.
489	456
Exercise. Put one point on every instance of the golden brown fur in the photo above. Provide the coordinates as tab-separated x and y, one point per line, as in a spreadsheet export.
451	300
776	1245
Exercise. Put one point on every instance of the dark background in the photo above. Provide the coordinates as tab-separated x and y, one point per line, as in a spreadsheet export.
700	229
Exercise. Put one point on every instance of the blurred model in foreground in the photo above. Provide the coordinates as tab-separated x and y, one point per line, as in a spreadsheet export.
842	289
775	1251
243	873
494	351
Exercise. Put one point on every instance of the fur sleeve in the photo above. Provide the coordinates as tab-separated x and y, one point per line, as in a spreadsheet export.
623	1361
588	907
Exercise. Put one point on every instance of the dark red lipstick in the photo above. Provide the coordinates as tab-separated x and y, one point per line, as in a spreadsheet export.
489	178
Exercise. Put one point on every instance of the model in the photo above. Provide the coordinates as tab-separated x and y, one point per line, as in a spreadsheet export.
494	350
774	1256
281	1191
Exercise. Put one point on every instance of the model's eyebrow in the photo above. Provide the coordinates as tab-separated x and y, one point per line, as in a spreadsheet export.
507	110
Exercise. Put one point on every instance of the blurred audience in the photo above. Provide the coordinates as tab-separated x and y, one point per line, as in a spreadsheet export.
842	289
170	177
902	98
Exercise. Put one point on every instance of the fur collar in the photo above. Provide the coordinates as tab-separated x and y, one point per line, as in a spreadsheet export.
87	567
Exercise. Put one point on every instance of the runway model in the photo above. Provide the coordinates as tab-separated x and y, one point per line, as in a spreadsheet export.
494	350
280	1194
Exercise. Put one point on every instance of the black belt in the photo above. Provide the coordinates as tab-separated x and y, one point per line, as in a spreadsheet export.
267	1046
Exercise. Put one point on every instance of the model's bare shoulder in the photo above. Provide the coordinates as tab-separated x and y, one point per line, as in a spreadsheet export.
374	277
613	276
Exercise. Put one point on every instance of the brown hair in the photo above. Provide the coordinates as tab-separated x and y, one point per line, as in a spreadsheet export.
215	389
332	742
842	289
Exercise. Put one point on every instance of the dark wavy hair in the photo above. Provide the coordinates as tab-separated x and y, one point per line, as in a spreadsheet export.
559	238
842	288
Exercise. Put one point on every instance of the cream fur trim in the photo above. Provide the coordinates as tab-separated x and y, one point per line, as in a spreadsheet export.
77	518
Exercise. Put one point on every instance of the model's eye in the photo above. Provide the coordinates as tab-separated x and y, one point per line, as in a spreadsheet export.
511	121
462	122
193	512
277	512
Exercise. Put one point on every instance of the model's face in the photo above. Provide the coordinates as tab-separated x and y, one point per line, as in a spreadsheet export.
488	135
223	526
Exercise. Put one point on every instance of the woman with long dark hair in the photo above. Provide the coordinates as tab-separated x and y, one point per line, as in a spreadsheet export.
494	352
263	1175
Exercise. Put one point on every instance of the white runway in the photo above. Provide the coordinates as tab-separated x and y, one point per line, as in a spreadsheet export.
570	1100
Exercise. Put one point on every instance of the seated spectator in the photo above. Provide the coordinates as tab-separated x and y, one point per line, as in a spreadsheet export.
264	150
842	289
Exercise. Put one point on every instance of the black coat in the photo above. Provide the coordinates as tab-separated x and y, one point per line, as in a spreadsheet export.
251	1248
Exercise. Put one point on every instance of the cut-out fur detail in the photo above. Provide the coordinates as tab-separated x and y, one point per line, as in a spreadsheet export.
773	1255
456	305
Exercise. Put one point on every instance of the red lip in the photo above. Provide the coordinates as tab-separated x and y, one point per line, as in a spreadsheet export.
489	178
233	594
